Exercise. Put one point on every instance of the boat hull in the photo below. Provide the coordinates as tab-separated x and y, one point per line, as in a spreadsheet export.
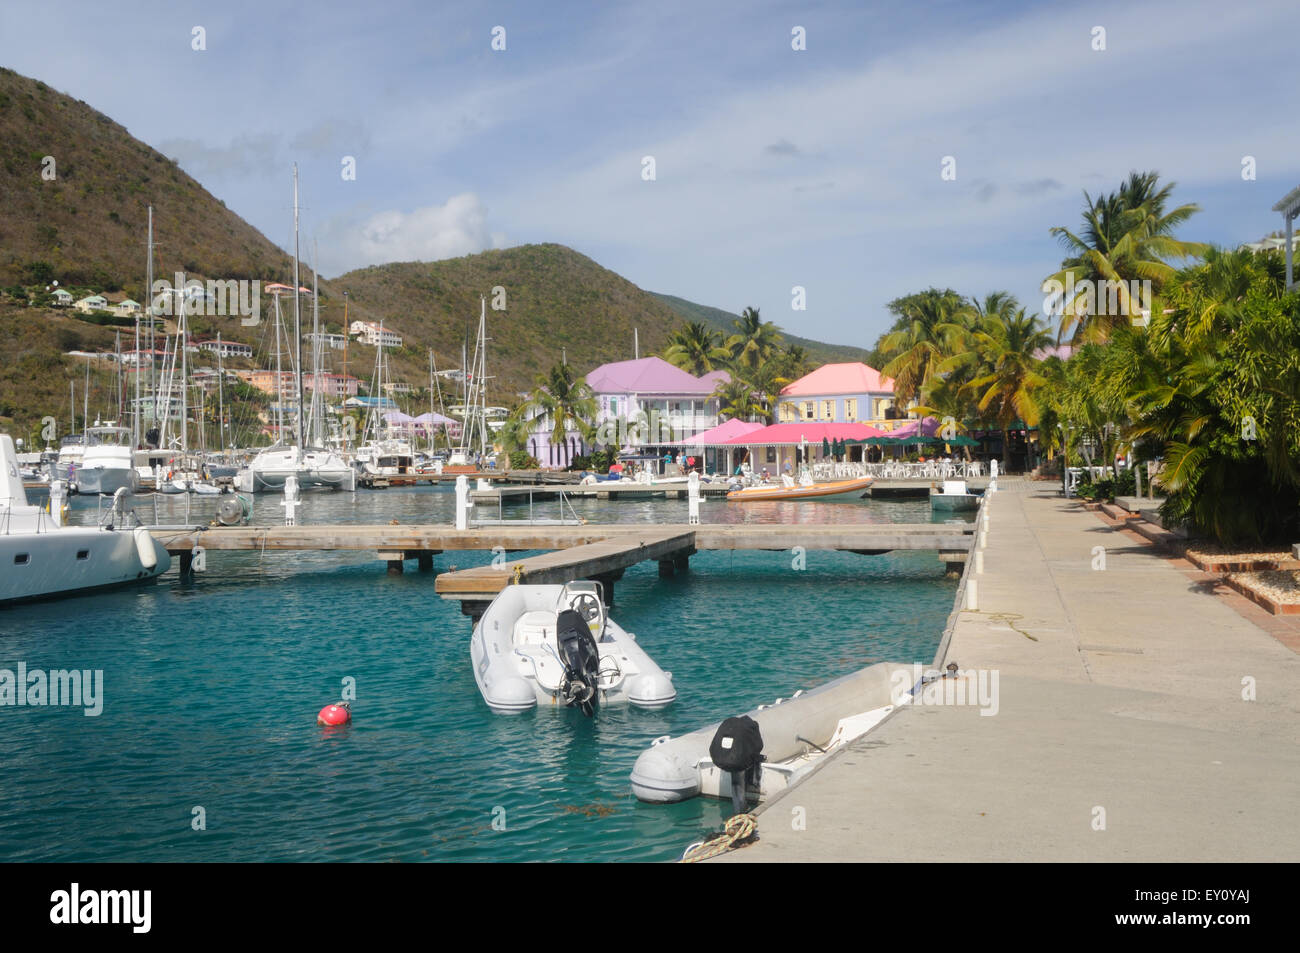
105	480
55	566
314	470
837	491
793	729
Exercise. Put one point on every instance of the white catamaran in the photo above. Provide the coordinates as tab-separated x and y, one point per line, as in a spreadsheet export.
306	459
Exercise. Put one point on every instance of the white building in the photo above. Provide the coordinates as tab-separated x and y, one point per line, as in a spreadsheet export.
369	332
227	348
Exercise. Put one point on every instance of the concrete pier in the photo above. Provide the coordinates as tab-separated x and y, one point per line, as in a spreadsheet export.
1142	714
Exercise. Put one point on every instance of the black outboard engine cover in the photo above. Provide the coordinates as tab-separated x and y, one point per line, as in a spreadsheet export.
581	661
737	748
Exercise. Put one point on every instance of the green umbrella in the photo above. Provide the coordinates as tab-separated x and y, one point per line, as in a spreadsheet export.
963	441
826	447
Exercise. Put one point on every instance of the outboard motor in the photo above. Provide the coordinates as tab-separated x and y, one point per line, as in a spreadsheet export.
737	747
581	660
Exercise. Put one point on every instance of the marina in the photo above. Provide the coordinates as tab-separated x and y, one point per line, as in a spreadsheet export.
533	436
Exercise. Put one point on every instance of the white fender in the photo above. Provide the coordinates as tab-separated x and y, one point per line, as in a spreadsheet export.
144	546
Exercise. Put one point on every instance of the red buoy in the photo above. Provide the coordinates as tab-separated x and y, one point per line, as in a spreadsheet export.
337	714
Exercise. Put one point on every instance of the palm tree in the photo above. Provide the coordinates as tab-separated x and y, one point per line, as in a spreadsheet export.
1218	391
737	400
766	382
565	400
755	340
794	361
1004	385
1126	236
696	348
919	341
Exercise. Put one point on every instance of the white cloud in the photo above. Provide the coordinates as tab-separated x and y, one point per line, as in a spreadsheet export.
457	227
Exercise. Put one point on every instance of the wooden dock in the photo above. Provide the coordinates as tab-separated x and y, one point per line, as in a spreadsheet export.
604	561
590	551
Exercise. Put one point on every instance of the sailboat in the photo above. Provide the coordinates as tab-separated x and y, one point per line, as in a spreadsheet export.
469	456
314	466
185	470
381	457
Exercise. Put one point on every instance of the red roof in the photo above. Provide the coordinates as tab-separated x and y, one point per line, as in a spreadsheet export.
853	378
796	433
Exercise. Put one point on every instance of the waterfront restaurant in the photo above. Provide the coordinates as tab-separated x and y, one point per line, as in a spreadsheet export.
716	447
775	447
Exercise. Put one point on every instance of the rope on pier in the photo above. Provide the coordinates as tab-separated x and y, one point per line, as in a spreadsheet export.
739	827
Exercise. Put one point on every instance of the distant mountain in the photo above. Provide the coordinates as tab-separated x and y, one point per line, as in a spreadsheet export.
85	227
819	351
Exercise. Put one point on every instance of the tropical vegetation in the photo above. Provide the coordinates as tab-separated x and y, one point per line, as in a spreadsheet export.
1200	377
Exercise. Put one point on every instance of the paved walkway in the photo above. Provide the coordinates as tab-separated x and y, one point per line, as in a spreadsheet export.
1121	732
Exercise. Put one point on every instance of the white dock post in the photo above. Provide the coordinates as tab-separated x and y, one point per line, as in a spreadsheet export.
979	562
58	493
290	501
693	498
972	599
462	502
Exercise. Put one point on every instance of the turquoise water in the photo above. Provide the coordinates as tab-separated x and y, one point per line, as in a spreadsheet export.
211	689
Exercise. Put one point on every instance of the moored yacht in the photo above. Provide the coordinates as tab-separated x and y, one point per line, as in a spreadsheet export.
43	559
106	464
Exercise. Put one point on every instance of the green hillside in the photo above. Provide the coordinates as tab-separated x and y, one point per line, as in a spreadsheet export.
557	302
87	225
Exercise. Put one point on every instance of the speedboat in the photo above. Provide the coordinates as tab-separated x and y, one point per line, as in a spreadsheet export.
556	646
44	559
793	735
788	489
953	497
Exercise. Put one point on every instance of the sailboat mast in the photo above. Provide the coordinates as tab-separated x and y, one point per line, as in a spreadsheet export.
279	379
221	402
317	428
148	310
297	313
117	354
135	417
182	339
482	377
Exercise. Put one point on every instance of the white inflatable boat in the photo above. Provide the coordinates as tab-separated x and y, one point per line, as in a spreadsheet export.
797	732
556	646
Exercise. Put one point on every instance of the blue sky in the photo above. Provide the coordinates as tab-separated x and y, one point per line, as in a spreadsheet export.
774	168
